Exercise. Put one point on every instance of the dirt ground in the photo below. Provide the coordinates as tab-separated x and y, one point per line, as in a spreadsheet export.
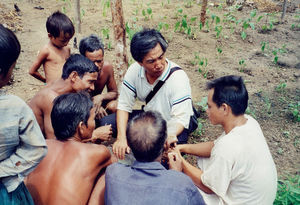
272	87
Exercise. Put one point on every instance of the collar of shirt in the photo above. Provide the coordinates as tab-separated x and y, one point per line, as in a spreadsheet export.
148	165
162	77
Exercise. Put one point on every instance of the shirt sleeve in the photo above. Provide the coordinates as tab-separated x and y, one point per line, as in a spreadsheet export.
31	148
128	90
181	99
217	174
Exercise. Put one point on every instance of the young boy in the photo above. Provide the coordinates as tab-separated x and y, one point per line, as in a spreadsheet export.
53	55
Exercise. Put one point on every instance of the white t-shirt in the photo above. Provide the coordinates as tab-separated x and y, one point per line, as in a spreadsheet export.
241	169
173	100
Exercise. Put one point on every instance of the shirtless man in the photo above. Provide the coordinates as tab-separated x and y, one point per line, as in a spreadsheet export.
69	173
92	48
54	54
79	73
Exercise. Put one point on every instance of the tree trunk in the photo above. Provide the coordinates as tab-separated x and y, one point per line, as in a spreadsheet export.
120	38
203	11
77	16
283	10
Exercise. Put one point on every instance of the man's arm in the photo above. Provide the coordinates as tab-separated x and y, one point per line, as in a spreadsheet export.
120	146
31	150
178	163
201	149
42	56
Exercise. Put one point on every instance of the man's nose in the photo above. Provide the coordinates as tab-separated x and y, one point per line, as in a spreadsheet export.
92	87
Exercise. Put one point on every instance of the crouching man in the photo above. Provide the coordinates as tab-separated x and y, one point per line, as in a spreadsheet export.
238	167
70	171
147	182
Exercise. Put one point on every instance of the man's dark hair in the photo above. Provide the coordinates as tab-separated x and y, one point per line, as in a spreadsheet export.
80	64
59	22
232	91
146	135
144	41
68	111
90	44
9	49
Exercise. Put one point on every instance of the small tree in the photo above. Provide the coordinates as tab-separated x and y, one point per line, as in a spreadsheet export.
120	38
77	16
203	11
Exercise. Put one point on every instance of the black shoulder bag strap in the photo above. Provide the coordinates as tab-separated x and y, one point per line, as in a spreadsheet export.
159	84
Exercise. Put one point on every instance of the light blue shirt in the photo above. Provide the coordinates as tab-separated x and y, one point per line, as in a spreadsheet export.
148	183
22	144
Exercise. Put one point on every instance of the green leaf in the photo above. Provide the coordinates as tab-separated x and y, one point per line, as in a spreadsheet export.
193	19
253	13
243	35
184	23
149	10
144	12
218	19
252	26
259	18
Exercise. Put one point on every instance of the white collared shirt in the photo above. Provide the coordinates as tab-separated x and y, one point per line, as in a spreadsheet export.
173	100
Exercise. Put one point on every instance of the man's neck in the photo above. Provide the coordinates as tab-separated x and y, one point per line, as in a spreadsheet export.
234	121
62	86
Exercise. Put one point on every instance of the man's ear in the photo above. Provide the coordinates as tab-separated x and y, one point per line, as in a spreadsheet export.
73	76
50	35
81	128
141	64
225	108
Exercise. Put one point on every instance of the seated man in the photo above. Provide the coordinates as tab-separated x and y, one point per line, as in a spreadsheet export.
237	168
92	48
70	170
173	100
147	182
79	73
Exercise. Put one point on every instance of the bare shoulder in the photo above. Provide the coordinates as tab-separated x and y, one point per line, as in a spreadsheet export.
43	98
107	67
95	151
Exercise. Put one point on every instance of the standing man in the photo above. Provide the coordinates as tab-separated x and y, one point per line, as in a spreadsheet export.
22	145
173	100
92	48
238	167
69	173
147	182
79	73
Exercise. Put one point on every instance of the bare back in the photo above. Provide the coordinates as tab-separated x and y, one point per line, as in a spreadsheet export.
55	61
68	172
41	105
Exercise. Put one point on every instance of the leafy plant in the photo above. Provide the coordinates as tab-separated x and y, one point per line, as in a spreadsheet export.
294	109
281	87
105	6
147	13
184	25
277	51
242	65
288	190
162	25
131	30
247	23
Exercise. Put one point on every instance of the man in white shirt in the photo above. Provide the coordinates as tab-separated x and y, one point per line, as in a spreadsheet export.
237	168
173	99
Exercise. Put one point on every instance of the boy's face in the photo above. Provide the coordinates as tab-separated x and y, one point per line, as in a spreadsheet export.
86	82
96	57
215	113
89	128
61	41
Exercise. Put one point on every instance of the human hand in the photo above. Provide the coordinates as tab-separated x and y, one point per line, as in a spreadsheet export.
102	133
100	111
171	142
175	161
120	147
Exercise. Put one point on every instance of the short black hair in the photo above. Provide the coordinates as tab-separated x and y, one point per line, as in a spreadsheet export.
9	49
91	43
144	41
80	64
146	134
232	91
68	111
59	22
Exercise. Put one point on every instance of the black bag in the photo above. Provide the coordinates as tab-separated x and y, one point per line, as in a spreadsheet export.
194	120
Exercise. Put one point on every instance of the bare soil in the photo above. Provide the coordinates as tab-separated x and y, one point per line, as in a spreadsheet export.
272	87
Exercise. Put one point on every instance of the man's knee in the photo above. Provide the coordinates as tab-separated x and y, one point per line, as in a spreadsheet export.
112	106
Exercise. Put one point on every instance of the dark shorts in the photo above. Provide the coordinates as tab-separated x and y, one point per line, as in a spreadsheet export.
111	120
20	196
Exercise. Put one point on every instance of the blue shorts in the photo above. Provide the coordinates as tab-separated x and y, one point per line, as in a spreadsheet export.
20	196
